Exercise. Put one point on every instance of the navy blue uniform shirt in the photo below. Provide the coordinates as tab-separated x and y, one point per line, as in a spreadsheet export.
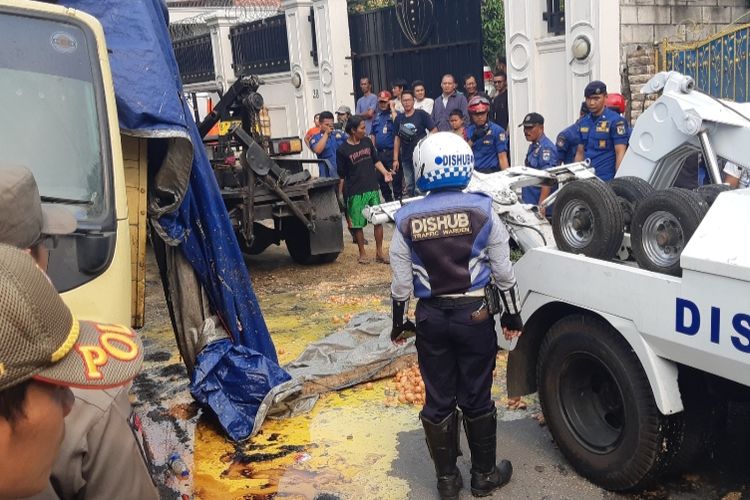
486	149
567	143
384	130
542	155
599	136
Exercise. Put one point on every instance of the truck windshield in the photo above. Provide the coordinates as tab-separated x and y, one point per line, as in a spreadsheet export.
48	100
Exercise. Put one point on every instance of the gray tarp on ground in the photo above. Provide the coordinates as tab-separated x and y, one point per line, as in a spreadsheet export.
363	345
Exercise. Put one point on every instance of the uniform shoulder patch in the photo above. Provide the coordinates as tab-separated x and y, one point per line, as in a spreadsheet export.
546	154
621	128
440	226
561	141
502	136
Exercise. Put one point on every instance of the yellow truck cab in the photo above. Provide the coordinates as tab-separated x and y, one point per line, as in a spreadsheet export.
60	121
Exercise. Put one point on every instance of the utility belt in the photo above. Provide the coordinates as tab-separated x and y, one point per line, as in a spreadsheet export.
455	301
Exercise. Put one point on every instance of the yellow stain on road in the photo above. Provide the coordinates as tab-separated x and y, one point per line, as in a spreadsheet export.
345	447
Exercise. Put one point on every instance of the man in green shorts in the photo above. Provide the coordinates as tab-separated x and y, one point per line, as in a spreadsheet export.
356	162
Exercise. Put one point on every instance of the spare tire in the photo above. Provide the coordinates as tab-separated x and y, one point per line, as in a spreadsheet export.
630	190
587	219
710	192
662	225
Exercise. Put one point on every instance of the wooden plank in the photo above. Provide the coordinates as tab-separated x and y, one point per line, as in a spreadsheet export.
357	376
134	151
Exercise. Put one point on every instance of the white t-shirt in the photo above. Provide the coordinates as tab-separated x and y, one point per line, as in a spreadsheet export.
425	104
742	173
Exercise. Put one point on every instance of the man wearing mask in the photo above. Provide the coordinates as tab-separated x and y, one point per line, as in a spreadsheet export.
488	140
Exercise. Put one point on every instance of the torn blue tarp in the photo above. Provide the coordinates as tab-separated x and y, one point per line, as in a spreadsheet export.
234	380
188	211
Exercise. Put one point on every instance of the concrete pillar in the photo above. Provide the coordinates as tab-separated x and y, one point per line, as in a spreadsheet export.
334	53
543	73
221	46
304	74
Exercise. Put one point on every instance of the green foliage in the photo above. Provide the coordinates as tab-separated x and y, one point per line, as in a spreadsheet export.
493	30
365	5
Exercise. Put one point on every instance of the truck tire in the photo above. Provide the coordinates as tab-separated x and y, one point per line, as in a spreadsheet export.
630	190
297	239
587	219
599	407
662	225
710	192
704	413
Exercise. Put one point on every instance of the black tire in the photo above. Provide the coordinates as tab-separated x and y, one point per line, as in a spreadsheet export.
587	219
662	225
599	407
710	192
297	239
630	190
704	413
327	258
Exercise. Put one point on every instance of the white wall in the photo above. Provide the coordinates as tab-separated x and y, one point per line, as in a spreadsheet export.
543	75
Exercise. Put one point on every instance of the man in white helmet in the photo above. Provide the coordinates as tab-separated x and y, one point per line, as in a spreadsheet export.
447	248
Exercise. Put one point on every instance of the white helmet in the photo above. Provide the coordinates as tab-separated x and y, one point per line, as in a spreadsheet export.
443	160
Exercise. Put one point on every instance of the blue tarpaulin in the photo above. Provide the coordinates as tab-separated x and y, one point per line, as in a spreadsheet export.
150	103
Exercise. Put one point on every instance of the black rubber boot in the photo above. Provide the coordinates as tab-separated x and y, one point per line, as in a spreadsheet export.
442	441
486	476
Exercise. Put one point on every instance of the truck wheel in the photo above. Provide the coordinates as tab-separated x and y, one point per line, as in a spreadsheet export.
297	239
662	225
587	219
710	192
599	407
704	413
629	190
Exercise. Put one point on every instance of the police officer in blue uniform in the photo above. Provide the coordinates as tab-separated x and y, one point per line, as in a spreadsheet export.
488	140
325	143
446	248
542	154
567	140
603	133
383	136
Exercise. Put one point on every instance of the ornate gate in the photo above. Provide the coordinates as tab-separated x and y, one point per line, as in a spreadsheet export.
417	39
719	65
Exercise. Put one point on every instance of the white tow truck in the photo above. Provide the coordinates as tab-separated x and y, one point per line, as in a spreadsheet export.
637	323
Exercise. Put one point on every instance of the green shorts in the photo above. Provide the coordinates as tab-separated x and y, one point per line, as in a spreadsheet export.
355	204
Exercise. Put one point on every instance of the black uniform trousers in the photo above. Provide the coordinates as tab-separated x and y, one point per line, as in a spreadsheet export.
386	157
456	355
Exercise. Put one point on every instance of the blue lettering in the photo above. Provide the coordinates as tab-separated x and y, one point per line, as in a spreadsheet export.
741	324
680	326
715	324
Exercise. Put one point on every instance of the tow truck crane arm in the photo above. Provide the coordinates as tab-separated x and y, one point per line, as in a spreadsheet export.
680	123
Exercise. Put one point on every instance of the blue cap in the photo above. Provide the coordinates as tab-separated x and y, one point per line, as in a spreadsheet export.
595	88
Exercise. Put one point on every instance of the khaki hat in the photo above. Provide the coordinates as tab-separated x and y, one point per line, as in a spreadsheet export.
40	339
344	110
24	217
